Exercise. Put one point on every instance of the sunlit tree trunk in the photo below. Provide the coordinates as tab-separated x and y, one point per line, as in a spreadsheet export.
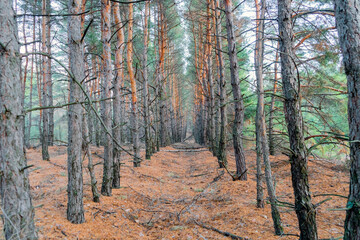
16	205
106	106
211	112
238	100
305	210
348	25
118	81
134	125
163	133
75	207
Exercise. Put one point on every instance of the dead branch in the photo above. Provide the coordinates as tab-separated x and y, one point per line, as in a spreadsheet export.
226	234
321	202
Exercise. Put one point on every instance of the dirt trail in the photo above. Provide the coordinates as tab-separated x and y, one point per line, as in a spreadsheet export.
162	198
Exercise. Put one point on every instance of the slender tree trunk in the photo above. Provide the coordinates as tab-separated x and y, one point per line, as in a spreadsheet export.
305	210
238	100
31	84
221	154
24	79
146	83
258	60
118	81
261	138
221	148
161	82
348	25
106	106
135	128
211	112
45	74
272	107
87	151
49	77
16	205
75	208
38	86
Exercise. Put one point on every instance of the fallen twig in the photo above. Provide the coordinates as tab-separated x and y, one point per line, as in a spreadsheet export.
57	165
227	234
199	175
148	176
143	195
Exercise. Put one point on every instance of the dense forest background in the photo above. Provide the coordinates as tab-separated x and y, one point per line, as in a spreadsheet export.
323	80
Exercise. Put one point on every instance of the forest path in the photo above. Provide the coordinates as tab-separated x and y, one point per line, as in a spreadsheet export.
179	185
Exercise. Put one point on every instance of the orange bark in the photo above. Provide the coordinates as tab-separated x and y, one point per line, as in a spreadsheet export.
130	55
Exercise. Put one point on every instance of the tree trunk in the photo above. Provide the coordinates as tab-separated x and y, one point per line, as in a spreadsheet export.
261	138
16	205
211	112
272	107
161	80
305	210
28	140
87	151
119	51
106	106
134	125
49	77
348	25
238	100
25	78
146	84
75	207
45	74
221	154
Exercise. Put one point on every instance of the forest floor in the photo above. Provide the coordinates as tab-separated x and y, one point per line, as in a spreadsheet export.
168	195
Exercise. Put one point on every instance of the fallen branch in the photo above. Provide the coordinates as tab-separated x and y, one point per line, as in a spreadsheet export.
326	194
186	150
226	234
141	194
321	202
148	176
57	165
199	175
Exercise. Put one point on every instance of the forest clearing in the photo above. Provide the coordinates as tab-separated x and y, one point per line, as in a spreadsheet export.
180	119
167	196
